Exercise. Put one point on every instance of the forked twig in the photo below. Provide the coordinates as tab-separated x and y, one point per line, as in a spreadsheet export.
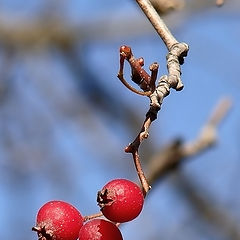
156	93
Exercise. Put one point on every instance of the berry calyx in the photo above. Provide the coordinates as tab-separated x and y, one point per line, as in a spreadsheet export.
120	200
99	229
58	220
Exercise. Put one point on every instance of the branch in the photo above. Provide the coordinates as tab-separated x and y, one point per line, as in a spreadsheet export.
177	152
46	32
208	134
156	94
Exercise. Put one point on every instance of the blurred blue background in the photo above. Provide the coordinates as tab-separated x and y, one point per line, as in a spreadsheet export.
65	118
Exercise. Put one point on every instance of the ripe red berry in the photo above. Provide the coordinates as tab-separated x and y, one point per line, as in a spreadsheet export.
120	200
99	229
58	220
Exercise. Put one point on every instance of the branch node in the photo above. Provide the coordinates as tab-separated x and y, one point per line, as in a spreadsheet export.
175	58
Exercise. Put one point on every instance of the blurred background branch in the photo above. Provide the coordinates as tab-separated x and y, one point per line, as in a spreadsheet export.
175	153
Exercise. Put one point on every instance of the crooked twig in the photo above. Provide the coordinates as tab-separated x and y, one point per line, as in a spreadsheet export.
156	93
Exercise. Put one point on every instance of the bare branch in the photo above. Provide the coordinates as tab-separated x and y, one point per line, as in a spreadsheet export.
208	135
175	57
206	206
178	151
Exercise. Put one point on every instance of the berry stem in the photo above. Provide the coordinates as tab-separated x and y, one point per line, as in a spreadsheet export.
146	187
95	215
133	148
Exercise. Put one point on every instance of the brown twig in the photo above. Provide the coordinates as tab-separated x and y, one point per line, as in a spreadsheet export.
144	183
158	93
139	75
133	148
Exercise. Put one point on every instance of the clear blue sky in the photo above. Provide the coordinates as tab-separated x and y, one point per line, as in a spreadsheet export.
211	72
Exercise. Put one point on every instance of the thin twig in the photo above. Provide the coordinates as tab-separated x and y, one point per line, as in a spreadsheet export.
131	88
96	215
133	148
143	134
156	94
157	23
145	185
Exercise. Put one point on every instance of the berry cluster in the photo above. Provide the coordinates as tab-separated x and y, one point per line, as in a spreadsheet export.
120	200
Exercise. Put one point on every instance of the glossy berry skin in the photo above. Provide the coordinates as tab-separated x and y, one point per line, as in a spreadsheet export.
58	220
120	200
99	229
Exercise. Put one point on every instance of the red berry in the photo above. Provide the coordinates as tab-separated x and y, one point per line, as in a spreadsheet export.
120	200
58	220
99	229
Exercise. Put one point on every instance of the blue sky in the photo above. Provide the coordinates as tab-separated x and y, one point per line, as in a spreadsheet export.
88	153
